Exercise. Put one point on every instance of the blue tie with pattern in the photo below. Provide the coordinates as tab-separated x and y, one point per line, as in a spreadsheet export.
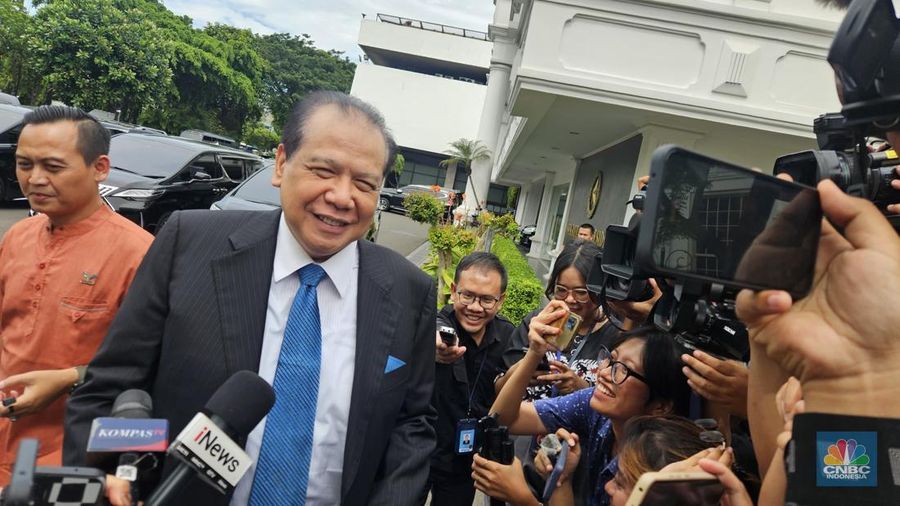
282	469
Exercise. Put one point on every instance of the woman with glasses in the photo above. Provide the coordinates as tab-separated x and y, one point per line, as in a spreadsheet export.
572	368
641	376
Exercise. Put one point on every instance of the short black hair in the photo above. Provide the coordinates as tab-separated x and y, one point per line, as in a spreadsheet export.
292	134
484	261
580	254
93	138
587	226
662	365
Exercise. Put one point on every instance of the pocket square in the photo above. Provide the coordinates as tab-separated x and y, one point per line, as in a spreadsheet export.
393	364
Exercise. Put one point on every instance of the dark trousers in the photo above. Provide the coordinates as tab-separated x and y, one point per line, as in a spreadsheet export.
451	489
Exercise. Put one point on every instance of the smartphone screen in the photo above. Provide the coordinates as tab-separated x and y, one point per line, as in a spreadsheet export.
683	493
710	220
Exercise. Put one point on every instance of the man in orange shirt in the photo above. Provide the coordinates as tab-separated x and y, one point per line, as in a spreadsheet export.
63	275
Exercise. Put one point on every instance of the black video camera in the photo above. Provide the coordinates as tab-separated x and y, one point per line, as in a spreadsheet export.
865	55
51	486
493	441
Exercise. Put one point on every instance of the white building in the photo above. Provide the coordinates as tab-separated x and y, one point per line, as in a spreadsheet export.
582	90
429	81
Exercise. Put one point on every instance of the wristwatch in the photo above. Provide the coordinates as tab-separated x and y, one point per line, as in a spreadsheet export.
82	371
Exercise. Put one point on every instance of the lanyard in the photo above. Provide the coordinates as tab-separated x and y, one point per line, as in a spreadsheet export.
475	384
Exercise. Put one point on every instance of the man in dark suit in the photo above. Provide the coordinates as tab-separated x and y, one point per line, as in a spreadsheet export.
216	295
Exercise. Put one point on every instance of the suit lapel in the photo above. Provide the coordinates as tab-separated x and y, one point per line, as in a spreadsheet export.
242	278
376	317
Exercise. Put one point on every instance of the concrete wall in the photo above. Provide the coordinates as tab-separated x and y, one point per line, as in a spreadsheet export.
424	43
617	164
424	112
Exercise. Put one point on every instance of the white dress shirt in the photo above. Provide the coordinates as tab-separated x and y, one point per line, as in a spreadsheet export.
336	295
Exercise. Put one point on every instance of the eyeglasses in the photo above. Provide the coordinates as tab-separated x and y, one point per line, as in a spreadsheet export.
486	301
619	371
579	294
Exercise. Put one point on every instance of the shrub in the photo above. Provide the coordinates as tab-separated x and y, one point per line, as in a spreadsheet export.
423	208
524	291
448	245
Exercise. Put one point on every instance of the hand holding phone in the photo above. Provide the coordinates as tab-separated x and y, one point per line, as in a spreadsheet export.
663	489
568	326
448	335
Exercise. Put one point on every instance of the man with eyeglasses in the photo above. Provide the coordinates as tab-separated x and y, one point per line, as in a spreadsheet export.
465	372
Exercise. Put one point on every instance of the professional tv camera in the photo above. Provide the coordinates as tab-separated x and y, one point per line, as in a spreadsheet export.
865	55
700	315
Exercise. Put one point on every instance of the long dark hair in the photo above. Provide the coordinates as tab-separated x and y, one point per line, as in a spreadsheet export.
580	254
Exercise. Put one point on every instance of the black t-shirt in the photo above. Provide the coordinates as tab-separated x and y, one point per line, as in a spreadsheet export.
470	377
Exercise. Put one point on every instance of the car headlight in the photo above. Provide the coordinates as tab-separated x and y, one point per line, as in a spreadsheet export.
214	207
138	194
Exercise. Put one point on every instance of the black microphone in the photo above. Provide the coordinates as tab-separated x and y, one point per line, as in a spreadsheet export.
206	447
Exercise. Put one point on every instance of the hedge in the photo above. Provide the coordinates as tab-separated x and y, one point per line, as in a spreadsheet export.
524	291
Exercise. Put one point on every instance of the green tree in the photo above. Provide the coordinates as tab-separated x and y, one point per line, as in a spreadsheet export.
92	54
463	152
15	77
296	67
263	138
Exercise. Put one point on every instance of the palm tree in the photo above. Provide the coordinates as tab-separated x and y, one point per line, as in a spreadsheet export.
397	168
464	152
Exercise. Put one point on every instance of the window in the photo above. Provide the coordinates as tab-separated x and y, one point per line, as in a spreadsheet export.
258	188
205	163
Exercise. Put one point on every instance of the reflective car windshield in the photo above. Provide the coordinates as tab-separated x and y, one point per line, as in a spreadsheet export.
9	118
148	155
258	188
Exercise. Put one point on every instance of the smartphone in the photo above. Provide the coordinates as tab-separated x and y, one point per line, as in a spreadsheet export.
448	335
550	485
716	222
675	489
568	325
68	485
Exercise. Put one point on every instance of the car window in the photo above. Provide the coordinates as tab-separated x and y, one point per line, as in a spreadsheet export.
9	119
10	136
148	155
205	163
234	167
258	188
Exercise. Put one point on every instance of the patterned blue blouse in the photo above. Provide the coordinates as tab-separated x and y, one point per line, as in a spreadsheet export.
573	412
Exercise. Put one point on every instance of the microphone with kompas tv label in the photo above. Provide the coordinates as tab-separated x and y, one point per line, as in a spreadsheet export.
206	447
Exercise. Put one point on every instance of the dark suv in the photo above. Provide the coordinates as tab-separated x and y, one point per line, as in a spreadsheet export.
10	126
154	175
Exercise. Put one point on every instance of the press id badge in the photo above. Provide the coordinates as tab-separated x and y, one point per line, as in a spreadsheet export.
465	436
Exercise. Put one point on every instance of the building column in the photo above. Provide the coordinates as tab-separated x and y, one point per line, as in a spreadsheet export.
544	216
450	178
492	114
520	205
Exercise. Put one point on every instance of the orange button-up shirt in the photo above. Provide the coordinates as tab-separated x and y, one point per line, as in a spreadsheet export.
59	291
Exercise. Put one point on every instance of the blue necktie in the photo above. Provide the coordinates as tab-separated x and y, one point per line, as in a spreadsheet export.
282	469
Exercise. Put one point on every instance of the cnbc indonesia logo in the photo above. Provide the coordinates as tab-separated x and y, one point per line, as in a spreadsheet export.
844	459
